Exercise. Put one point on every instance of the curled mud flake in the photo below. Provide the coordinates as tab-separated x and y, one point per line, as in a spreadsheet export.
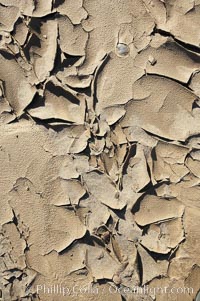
96	183
195	83
74	10
154	209
100	263
73	39
151	268
60	104
122	49
157	113
193	281
40	49
198	296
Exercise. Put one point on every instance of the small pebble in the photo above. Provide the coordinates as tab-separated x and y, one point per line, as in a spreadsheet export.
125	258
135	240
117	195
106	236
122	49
100	256
116	279
152	60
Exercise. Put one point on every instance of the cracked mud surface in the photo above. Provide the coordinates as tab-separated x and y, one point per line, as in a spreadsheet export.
99	149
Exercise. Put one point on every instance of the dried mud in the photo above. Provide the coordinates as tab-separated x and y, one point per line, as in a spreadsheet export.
99	149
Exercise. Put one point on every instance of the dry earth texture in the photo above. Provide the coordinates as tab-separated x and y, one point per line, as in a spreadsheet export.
99	150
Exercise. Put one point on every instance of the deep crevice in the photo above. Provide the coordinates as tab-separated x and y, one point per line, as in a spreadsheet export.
97	72
139	267
185	45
